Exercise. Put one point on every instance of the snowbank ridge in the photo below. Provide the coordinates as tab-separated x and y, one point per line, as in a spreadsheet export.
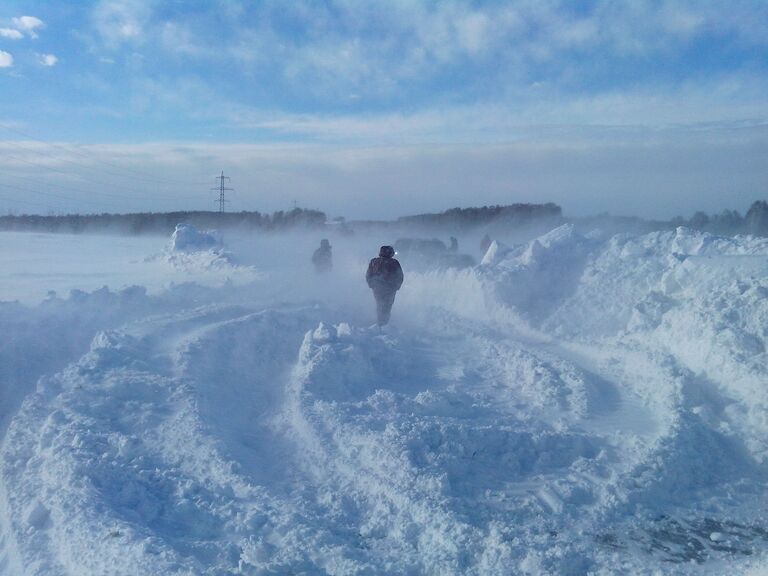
573	405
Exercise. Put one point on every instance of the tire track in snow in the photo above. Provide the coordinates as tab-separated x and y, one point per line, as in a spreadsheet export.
431	436
400	519
453	450
683	458
131	460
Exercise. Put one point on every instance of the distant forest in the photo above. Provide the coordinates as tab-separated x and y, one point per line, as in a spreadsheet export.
728	222
470	217
163	222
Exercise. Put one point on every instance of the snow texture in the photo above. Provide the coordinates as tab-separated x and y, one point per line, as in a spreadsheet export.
573	405
186	238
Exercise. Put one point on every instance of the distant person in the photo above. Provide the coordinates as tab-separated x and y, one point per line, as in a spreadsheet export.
322	258
384	277
485	243
454	245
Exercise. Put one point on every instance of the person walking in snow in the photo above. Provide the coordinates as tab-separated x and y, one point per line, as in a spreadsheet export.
322	258
485	243
384	277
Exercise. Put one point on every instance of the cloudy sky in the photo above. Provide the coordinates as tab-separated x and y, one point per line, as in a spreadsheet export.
374	109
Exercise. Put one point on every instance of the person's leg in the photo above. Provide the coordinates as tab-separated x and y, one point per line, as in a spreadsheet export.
381	312
384	303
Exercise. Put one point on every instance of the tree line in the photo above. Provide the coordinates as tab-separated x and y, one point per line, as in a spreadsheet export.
469	217
730	222
163	222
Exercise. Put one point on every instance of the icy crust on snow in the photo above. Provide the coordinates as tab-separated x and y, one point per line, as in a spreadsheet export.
574	405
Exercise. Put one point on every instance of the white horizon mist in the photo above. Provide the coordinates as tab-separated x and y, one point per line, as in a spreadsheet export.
651	175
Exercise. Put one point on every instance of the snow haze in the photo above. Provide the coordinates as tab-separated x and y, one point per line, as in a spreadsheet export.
207	404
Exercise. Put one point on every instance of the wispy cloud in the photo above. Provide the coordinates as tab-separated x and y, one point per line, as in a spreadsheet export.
11	33
339	54
47	59
721	102
28	25
121	21
6	59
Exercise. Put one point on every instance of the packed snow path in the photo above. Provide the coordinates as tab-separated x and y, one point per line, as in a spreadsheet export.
239	438
227	454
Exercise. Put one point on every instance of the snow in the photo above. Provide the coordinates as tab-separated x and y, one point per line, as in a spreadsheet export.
577	404
187	238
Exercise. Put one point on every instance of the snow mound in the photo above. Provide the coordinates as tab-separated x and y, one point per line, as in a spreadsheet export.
535	277
195	253
186	238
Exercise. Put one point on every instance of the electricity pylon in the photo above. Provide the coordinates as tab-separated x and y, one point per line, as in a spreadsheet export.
221	189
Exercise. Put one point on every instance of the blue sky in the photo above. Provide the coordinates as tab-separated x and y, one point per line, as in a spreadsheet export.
377	109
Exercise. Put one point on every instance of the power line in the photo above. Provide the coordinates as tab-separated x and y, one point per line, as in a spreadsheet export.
221	189
126	172
132	192
6	199
57	196
88	170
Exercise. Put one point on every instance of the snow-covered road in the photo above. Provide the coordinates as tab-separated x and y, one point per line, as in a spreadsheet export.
575	405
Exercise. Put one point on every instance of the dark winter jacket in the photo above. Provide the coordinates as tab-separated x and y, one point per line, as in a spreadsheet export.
384	275
322	259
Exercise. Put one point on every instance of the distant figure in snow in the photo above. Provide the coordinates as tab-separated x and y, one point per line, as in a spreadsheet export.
485	243
454	247
322	258
384	277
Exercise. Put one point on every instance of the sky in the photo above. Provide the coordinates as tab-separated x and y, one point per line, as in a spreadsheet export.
377	109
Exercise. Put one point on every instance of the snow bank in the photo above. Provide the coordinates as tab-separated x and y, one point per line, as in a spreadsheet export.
630	279
535	277
197	251
697	297
201	257
577	404
187	238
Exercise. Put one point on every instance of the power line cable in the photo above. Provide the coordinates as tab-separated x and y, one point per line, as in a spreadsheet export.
90	168
6	199
132	191
73	150
51	195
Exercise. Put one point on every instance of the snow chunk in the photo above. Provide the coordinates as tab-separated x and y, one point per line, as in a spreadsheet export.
560	235
534	278
495	252
321	333
186	238
343	330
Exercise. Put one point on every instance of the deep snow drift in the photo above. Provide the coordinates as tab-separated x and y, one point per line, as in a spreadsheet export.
573	405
